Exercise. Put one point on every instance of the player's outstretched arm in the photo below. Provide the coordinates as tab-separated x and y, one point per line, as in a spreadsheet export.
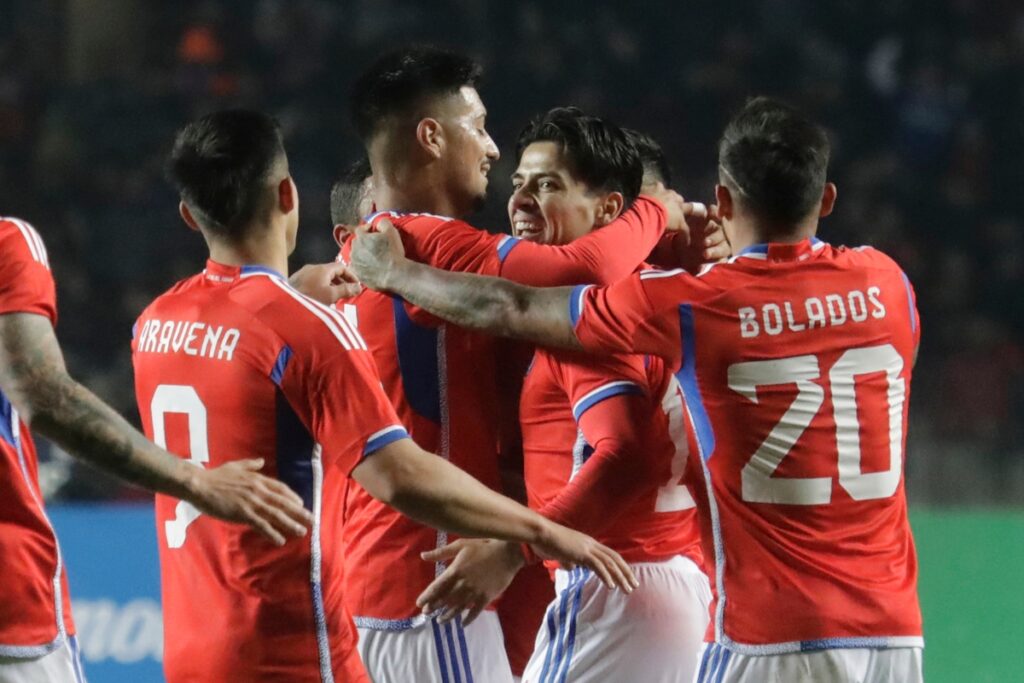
432	491
34	378
483	303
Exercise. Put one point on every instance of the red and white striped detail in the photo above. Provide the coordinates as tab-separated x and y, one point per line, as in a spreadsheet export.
339	326
32	239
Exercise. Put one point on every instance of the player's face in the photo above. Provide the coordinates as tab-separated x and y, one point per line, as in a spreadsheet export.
470	151
548	205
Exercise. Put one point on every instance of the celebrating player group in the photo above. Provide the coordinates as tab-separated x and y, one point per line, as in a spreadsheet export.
635	439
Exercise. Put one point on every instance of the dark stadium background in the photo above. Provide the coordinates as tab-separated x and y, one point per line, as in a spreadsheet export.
924	102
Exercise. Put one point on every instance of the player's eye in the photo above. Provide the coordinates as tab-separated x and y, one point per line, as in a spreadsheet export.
548	185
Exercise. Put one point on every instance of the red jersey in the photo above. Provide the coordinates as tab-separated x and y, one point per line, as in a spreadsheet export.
35	614
441	380
233	363
795	364
574	416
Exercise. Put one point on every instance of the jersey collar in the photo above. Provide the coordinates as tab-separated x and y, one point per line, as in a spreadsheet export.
219	272
777	252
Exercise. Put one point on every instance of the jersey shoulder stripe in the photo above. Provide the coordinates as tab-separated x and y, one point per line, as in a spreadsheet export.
336	323
32	239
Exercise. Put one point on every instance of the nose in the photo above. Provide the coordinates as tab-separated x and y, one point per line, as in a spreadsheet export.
521	198
492	149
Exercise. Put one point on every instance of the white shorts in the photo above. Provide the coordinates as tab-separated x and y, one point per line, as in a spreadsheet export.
63	665
593	634
846	665
437	653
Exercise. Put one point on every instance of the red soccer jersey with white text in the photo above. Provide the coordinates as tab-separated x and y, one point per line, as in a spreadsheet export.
441	380
795	364
233	363
35	614
574	414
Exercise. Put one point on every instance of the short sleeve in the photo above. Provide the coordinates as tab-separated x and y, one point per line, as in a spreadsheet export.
327	374
589	380
626	318
26	284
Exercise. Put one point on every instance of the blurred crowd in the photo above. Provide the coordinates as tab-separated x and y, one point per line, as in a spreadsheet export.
923	100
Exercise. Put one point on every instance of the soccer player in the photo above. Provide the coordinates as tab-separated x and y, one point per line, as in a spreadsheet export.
605	450
423	123
37	633
795	361
233	359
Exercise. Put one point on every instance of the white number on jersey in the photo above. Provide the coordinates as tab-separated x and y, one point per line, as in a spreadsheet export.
758	484
176	398
674	496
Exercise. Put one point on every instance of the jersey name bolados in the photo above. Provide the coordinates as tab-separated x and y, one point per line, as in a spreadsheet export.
229	364
562	424
795	364
441	380
35	613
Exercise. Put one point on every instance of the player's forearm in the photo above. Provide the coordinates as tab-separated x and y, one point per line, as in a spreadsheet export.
33	377
71	416
435	492
488	304
611	480
603	256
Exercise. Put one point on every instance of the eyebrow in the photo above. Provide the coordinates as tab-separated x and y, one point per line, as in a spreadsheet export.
542	174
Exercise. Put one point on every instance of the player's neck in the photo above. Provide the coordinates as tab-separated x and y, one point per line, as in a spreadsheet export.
420	197
748	233
405	185
263	250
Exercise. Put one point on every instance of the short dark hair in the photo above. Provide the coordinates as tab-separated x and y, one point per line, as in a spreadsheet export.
598	151
398	82
219	164
775	158
347	191
651	156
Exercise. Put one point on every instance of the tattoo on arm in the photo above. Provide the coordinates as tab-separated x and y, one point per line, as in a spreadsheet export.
34	378
490	304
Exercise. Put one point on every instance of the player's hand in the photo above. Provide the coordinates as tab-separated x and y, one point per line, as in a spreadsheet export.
326	282
376	255
716	243
477	573
572	549
674	205
237	492
704	241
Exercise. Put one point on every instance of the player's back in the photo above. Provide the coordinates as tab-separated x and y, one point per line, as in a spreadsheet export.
795	363
223	362
801	356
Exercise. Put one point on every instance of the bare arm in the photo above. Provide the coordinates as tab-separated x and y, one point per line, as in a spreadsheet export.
489	304
435	492
34	378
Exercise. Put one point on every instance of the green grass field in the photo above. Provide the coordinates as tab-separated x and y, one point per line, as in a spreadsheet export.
972	594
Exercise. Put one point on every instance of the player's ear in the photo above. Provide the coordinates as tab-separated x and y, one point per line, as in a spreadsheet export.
287	195
724	200
186	216
609	208
828	199
341	233
430	136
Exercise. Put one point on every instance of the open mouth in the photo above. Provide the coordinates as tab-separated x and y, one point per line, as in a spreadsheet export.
527	230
